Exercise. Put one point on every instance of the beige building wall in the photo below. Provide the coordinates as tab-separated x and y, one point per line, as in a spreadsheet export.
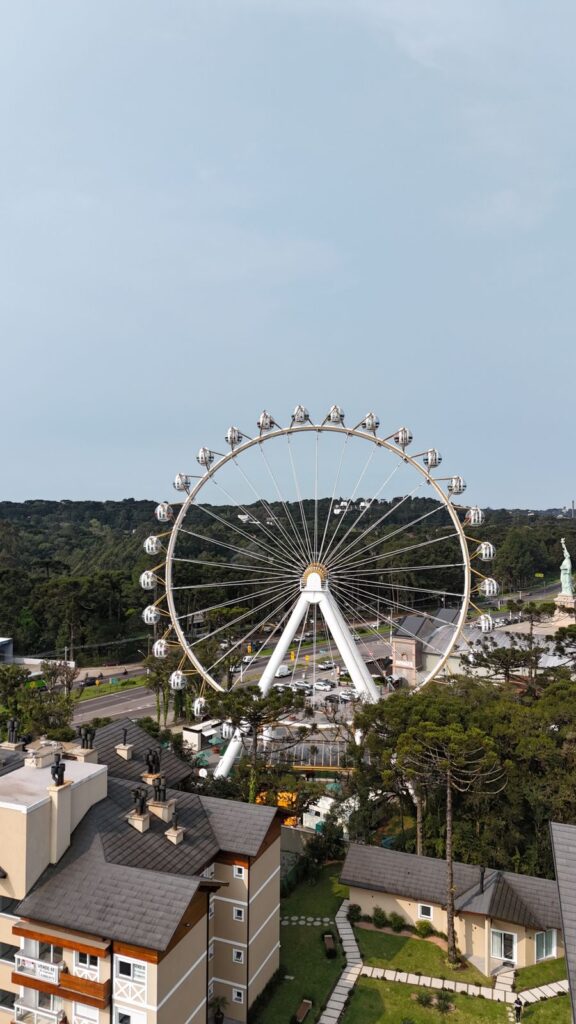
264	922
473	932
179	979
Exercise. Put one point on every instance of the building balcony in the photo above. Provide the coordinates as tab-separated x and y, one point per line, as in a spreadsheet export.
44	970
57	980
35	1015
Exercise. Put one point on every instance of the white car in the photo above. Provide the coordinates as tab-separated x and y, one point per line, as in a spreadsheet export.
248	659
326	666
323	684
282	670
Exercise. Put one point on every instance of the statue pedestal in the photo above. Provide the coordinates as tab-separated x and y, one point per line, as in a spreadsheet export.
565	604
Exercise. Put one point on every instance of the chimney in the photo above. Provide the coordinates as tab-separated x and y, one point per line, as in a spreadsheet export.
85	753
175	834
139	817
42	757
482	873
160	806
14	741
125	749
60	810
152	765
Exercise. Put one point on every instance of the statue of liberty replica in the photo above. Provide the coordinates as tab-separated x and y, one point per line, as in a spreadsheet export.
566	600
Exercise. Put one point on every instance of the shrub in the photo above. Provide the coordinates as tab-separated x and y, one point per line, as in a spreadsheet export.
443	1001
354	913
366	918
379	918
424	998
331	954
424	929
407	1020
396	922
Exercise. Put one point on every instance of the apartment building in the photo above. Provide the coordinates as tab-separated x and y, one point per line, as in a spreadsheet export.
124	906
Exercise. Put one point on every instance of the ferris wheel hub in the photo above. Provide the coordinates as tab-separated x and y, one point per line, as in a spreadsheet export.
315	577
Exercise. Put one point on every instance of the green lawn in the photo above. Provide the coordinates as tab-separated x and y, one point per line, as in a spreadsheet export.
90	692
551	1011
415	955
378	1002
322	898
540	974
310	974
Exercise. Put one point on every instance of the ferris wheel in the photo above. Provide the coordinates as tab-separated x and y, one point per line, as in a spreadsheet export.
314	547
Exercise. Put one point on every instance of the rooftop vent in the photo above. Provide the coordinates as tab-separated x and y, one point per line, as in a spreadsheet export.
14	740
152	765
57	770
175	833
84	751
125	749
139	817
161	806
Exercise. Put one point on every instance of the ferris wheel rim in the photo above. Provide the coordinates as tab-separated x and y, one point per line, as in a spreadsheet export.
328	428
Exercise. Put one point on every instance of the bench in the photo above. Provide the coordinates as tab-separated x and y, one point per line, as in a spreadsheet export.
329	941
303	1010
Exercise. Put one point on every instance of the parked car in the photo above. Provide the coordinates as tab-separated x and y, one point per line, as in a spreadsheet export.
282	670
325	684
326	666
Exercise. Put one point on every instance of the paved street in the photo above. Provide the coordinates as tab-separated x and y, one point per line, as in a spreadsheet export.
135	703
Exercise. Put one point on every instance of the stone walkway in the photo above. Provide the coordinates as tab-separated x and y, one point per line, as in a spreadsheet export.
310	921
355	968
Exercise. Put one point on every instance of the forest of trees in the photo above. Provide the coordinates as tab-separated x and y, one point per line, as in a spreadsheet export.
69	570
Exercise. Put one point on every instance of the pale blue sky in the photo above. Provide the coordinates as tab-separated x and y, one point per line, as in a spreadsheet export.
209	207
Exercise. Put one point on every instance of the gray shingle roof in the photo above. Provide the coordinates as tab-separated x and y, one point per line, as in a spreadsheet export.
10	760
134	887
109	736
564	846
520	899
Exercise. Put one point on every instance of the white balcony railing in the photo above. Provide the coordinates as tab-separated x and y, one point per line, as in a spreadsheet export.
36	1015
41	969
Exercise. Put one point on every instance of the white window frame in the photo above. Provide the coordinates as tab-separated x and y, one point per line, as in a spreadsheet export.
238	913
87	1012
547	956
78	962
238	956
135	1016
421	908
133	963
208	872
210	907
239	872
500	956
210	989
211	951
237	995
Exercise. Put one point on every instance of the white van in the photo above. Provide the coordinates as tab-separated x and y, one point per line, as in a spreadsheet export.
282	670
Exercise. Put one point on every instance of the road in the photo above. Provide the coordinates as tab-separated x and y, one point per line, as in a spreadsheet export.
136	703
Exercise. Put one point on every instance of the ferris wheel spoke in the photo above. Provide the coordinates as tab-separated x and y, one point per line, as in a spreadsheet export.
226	566
407	587
289	541
396	603
333	550
277	542
395	551
306	533
289	518
217	584
233	602
207	539
333	495
404	568
363	472
251	611
288	600
232	526
349	554
357	557
316	494
388	618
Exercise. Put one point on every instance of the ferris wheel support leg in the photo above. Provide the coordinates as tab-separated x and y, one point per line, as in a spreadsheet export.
288	634
359	674
226	762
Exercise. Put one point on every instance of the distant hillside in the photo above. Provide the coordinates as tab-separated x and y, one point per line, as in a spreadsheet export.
69	570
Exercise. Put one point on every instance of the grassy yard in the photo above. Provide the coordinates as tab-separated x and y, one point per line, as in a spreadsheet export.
377	1002
322	898
416	955
540	974
90	692
309	974
551	1011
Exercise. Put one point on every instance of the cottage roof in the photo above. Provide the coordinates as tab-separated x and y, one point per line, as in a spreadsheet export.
519	899
564	847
